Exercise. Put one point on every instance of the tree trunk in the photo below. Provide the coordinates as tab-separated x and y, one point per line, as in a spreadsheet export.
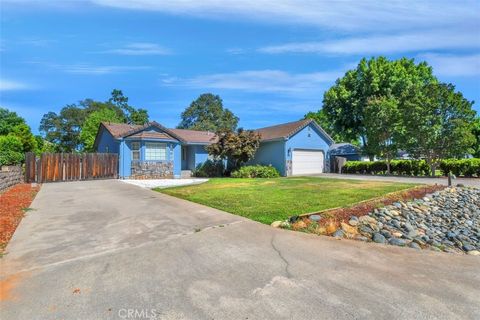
388	165
431	165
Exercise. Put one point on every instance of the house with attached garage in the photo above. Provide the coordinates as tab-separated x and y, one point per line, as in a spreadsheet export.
152	151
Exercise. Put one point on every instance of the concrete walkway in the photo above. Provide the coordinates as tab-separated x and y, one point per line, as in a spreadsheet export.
109	250
472	182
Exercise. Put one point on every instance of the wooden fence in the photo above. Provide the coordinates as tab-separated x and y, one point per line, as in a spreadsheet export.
54	167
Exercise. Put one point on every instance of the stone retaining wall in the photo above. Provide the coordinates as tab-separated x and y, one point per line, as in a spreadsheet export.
152	170
9	176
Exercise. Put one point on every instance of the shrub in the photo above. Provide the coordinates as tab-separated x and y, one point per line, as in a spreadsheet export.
256	172
400	167
210	168
10	150
461	167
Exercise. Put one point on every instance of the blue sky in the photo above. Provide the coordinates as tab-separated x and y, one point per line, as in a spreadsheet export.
270	61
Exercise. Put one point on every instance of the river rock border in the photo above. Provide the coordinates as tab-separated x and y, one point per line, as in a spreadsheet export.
447	220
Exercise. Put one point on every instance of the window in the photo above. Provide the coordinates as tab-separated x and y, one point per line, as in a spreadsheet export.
135	151
155	151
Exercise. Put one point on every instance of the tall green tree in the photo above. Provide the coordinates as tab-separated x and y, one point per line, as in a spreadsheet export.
236	147
10	150
133	115
438	123
383	128
63	129
475	147
345	102
13	125
208	114
92	122
8	121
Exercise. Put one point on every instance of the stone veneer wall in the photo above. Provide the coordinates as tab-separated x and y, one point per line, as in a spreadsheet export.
9	176
152	169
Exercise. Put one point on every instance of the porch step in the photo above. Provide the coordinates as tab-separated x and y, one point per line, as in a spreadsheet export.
186	174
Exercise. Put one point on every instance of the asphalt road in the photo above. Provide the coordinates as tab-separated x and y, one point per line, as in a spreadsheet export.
471	182
109	250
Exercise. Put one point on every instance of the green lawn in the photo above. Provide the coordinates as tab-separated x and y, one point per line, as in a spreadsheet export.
267	200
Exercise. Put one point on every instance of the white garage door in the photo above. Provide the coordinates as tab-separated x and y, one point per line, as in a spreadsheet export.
307	162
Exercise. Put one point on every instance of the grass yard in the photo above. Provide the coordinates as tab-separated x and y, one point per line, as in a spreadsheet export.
267	200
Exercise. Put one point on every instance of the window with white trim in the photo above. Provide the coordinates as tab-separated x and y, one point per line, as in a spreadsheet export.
135	151
155	151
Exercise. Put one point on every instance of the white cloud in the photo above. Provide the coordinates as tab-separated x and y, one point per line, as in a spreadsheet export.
140	49
11	85
383	44
259	81
235	51
338	15
88	69
453	65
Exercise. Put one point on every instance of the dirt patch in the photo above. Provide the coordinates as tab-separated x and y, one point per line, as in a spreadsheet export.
15	202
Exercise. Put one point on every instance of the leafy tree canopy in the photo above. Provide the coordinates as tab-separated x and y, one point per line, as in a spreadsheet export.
208	114
92	123
236	147
383	128
10	150
345	102
17	138
438	123
475	148
63	129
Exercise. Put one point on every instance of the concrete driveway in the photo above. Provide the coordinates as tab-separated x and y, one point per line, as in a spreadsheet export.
109	250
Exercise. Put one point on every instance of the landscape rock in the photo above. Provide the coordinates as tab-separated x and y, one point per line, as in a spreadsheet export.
397	242
447	220
276	224
353	221
348	229
315	217
378	238
338	234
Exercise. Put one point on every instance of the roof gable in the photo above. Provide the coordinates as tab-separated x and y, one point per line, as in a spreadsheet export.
286	130
123	130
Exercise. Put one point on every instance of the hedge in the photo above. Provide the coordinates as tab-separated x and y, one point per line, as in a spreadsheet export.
461	167
210	169
256	172
400	167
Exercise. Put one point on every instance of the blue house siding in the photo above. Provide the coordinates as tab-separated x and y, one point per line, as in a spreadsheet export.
177	157
201	155
107	143
196	155
309	138
125	159
271	153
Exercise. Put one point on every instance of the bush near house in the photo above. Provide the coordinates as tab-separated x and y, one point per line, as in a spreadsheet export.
461	167
209	169
257	171
400	167
10	150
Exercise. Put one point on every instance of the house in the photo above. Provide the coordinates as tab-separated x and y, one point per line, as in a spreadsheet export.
294	148
339	153
154	151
